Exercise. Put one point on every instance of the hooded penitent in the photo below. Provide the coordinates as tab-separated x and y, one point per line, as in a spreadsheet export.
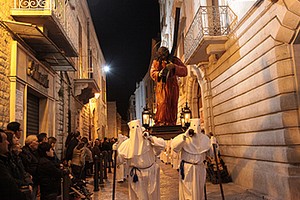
199	142
121	139
135	145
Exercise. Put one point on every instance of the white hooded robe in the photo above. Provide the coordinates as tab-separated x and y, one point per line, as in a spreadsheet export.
141	156
193	151
120	169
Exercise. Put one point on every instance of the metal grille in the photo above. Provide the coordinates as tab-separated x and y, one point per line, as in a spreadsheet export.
57	6
210	21
32	114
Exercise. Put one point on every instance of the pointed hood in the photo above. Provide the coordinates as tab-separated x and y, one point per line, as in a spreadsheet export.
121	139
199	143
135	145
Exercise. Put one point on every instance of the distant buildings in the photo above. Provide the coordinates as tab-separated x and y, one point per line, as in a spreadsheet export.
131	109
114	120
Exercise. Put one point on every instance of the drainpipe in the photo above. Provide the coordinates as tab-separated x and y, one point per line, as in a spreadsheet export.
61	92
207	97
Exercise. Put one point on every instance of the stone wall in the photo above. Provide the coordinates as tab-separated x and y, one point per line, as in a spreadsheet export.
4	81
5	43
254	102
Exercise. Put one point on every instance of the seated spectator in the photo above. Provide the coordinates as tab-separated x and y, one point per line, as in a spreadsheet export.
49	175
8	186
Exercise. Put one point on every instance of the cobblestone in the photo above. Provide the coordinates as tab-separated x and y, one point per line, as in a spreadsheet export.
169	188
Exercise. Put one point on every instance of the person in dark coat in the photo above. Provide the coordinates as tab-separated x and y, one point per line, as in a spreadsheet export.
8	187
22	178
42	137
52	142
49	176
15	127
72	144
96	150
29	159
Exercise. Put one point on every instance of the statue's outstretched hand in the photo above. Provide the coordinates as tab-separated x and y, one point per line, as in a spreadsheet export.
163	72
170	66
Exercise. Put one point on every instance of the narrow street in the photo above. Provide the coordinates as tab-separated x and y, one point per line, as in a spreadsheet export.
169	188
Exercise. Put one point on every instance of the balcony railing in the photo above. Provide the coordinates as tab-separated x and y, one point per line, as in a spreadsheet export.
56	7
208	21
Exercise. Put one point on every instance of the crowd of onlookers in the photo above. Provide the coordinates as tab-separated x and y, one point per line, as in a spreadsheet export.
35	172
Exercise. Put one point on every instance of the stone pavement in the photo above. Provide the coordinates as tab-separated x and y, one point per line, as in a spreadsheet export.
169	188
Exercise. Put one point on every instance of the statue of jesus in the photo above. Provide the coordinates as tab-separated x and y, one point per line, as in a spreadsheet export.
164	71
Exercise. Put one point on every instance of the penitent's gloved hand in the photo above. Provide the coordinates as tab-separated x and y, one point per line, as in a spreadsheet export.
213	140
186	134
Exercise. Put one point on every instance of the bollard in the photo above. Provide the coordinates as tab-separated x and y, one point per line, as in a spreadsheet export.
105	156
101	169
109	156
66	186
96	174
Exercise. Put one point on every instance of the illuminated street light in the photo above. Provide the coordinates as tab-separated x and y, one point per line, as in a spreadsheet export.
106	68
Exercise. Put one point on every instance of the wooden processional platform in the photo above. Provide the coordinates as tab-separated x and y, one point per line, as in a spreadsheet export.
166	132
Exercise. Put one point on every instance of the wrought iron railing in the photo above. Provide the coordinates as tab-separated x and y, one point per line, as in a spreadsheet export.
57	7
210	21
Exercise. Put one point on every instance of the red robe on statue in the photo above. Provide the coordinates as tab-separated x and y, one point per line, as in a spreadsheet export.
167	93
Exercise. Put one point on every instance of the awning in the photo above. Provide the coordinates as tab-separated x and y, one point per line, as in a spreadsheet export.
44	47
85	89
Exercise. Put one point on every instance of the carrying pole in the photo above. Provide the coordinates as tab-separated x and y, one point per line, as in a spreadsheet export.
175	34
96	174
218	171
205	195
115	174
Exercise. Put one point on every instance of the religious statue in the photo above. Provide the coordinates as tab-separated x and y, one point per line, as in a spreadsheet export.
165	70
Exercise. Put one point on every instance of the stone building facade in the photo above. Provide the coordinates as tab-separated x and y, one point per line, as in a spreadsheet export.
243	81
114	120
5	54
51	69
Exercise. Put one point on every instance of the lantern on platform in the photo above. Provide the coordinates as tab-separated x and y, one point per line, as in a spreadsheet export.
185	116
146	116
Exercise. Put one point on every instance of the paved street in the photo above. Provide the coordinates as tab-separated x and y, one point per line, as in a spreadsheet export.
169	188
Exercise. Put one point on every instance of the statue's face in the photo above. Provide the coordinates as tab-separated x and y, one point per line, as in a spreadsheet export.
163	52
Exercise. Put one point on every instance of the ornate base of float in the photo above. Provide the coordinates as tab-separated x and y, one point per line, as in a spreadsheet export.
166	132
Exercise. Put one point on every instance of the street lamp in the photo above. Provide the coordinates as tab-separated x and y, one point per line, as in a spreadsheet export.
146	116
106	69
185	116
182	118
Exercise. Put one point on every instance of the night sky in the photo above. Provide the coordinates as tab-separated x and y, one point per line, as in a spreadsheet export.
125	29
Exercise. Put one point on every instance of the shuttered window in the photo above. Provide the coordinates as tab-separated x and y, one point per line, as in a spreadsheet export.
32	114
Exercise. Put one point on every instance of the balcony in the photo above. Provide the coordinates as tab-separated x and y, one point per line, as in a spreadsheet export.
51	16
44	49
85	89
210	27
